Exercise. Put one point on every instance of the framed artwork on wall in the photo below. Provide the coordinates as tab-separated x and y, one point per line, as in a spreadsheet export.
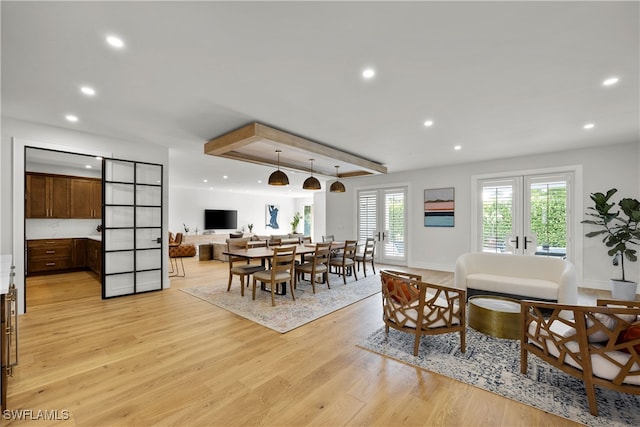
439	207
271	216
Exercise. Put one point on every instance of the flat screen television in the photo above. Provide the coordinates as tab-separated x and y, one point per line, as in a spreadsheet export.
217	219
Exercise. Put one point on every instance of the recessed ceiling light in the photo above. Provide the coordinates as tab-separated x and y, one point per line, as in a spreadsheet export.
87	166
98	158
71	118
610	81
589	126
259	181
368	73
204	180
115	41
458	147
224	177
428	123
87	90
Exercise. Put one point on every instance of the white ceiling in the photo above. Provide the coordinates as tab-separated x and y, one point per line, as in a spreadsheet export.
501	79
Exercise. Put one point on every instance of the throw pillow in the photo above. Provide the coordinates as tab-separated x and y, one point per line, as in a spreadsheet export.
633	333
609	322
403	289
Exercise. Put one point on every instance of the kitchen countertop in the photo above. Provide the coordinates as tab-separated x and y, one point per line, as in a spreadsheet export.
97	237
6	261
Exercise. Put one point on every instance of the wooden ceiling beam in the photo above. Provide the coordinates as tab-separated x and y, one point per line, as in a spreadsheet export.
230	144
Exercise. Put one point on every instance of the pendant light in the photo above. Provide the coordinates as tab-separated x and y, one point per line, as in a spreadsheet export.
312	182
278	177
337	187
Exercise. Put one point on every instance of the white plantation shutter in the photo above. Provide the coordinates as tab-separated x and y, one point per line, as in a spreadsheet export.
367	215
497	215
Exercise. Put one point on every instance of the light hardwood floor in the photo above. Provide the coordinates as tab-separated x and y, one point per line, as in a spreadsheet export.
167	358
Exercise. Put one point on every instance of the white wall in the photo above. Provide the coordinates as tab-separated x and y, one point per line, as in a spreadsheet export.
603	168
187	206
16	134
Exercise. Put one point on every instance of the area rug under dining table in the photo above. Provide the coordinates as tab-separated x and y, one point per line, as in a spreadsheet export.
288	314
493	364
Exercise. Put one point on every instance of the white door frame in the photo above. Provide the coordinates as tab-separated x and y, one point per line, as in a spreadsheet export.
576	203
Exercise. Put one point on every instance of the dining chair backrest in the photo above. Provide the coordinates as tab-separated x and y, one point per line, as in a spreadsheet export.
236	244
305	239
274	241
328	238
321	254
369	248
350	248
283	260
178	240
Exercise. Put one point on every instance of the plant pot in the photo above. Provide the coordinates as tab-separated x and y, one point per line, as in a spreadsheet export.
625	291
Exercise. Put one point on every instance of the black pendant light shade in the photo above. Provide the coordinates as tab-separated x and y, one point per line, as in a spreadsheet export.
278	177
312	182
337	187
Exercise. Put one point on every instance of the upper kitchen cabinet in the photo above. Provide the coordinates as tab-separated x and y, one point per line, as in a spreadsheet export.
86	198
48	196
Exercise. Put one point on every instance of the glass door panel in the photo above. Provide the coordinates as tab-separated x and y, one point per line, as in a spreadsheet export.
525	215
132	260
382	215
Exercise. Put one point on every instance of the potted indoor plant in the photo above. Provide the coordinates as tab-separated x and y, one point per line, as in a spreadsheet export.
621	234
294	223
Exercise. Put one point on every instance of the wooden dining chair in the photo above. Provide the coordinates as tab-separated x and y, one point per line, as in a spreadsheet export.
368	253
240	266
282	271
317	265
345	262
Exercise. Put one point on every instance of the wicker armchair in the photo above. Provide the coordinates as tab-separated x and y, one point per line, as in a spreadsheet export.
418	308
598	345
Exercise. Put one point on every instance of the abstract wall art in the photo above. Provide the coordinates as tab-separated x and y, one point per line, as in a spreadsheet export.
271	216
439	207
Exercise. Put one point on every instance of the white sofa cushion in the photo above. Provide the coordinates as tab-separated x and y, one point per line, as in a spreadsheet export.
430	316
534	288
600	366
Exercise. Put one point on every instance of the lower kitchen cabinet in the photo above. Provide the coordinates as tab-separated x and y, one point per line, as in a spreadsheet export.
59	255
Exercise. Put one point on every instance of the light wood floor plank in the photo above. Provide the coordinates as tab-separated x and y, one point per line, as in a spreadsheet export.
169	359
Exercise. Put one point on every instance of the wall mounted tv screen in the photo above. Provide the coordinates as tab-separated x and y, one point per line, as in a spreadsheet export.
220	219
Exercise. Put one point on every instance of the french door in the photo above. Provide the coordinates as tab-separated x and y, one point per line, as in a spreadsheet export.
382	215
132	233
526	215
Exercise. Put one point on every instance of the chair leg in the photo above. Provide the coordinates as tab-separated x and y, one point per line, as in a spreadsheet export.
344	274
313	282
416	345
373	266
177	274
230	279
293	294
254	289
242	285
326	279
356	275
273	293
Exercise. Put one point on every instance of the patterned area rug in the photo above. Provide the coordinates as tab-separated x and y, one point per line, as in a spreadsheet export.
288	314
493	364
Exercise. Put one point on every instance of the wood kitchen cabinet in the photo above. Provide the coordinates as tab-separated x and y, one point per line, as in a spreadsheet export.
94	256
47	196
49	255
86	198
79	253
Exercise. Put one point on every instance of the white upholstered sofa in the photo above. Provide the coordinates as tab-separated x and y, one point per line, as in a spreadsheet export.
520	276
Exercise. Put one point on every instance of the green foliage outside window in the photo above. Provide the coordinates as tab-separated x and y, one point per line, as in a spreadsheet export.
549	216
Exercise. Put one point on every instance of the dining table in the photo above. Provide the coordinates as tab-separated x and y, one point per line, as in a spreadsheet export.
264	253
